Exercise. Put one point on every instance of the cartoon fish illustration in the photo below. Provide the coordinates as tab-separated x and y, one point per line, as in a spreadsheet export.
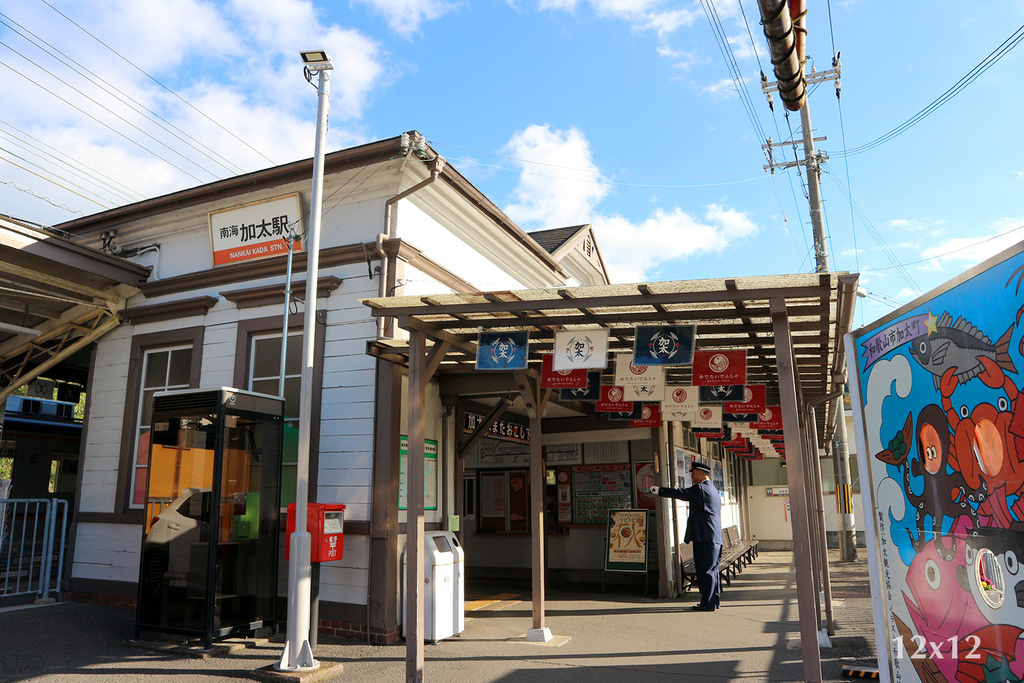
959	345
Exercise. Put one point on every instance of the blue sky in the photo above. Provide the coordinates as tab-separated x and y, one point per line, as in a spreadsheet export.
620	113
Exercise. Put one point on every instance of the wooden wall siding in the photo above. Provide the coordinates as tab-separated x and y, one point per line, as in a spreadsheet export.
107	551
100	456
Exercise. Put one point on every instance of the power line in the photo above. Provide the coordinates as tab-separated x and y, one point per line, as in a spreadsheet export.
1013	41
32	193
144	73
119	94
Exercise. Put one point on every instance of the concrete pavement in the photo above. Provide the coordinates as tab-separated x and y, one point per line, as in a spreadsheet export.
618	636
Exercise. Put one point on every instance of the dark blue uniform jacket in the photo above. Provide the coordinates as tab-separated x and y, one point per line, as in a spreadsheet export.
704	522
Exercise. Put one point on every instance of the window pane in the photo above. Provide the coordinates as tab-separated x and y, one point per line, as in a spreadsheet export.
142	457
156	369
293	366
265	386
146	412
181	368
292	391
139	491
266	360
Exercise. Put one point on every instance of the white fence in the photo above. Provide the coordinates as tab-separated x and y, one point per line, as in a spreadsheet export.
33	534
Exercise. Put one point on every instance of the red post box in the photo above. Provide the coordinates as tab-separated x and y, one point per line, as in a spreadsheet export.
325	522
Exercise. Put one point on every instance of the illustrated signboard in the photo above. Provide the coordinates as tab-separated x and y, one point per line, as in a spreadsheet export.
256	230
940	442
627	541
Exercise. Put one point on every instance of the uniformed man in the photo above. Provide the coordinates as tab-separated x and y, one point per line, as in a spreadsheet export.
704	530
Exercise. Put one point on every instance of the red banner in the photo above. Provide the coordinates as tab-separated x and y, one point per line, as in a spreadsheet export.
754	401
611	401
562	379
716	368
651	416
771	418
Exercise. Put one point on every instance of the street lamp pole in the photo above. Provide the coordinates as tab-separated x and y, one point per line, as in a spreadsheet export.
298	654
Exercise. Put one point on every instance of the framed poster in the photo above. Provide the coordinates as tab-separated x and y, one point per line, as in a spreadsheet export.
627	541
598	489
936	389
564	454
718	475
684	459
429	474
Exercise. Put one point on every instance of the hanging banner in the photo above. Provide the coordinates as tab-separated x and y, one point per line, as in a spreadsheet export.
939	416
576	349
771	418
627	541
255	230
754	400
561	379
629	415
743	418
612	401
667	345
679	403
628	373
502	350
714	368
721	393
707	418
591	392
644	392
650	416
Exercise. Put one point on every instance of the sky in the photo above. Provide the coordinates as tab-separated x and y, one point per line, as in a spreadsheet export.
625	114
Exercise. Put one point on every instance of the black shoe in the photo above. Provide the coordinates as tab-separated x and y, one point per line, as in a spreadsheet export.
703	608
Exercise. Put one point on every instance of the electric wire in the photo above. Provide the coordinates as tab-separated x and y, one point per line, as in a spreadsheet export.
105	202
44	198
50	180
147	75
119	94
42	153
113	113
105	125
618	184
988	62
958	250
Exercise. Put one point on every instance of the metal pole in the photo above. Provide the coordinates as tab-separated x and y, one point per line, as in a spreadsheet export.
287	305
415	574
298	653
844	489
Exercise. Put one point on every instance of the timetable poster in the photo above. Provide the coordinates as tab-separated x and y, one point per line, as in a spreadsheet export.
598	489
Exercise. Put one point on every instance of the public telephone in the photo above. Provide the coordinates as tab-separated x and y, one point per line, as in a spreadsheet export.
325	523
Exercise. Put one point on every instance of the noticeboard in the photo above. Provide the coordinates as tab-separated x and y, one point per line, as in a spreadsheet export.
936	390
627	541
598	489
429	473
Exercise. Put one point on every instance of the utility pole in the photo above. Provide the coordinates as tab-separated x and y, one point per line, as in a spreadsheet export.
812	161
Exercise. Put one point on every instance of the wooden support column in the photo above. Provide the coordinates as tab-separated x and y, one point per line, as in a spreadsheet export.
666	571
791	423
414	575
529	389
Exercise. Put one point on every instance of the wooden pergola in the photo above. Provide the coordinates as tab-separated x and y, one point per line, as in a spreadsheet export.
791	327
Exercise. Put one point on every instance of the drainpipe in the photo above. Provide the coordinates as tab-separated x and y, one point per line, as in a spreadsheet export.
436	166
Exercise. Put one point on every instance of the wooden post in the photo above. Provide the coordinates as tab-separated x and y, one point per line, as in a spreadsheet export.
414	575
798	497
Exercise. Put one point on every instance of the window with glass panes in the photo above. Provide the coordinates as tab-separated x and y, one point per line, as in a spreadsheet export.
162	370
265	378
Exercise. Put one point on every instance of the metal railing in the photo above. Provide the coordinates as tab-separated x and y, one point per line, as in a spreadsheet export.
33	535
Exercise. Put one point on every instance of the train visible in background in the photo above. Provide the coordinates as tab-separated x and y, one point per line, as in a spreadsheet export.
39	448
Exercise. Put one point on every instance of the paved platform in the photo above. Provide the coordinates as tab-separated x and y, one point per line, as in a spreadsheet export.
617	636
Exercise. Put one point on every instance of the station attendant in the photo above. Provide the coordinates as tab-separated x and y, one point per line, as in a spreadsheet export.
704	530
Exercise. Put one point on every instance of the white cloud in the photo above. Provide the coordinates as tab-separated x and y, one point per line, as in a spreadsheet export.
969	251
566	187
723	89
634	251
564	184
667	22
406	16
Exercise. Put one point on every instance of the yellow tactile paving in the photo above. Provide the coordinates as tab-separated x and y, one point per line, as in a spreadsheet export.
472	605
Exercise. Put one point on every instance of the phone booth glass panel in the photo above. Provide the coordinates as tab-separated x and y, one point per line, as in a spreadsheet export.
209	548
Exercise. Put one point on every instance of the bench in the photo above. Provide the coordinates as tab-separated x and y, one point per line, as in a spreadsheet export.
736	554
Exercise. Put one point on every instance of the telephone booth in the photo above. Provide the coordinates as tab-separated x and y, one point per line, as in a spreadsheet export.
209	546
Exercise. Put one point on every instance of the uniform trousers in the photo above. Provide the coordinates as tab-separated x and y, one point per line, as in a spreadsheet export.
706	556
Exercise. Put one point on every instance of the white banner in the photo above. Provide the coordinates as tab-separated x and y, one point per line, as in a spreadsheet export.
629	375
679	403
707	417
576	349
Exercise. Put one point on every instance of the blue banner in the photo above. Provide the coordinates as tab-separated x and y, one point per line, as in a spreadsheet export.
663	345
502	350
591	393
721	393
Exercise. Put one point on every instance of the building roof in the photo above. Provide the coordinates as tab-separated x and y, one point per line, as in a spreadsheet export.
553	239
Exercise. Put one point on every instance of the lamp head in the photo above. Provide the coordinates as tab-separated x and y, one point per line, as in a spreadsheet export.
316	60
